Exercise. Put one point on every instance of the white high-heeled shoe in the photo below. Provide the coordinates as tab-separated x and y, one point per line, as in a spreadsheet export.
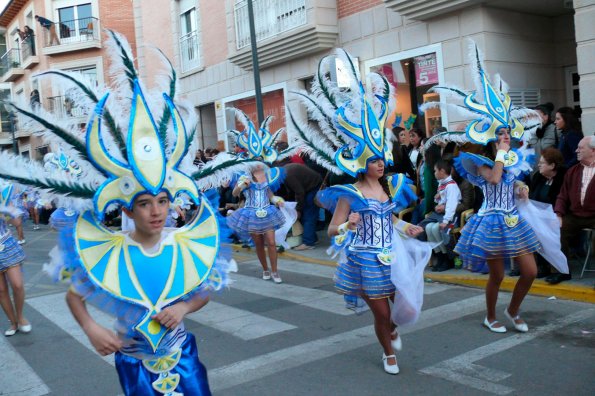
522	327
397	343
390	368
25	328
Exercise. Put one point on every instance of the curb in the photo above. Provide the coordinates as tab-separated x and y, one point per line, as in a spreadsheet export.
539	287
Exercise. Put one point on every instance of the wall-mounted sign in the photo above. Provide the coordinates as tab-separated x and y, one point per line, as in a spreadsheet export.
426	69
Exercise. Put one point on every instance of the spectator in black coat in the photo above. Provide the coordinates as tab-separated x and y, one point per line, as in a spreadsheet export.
571	134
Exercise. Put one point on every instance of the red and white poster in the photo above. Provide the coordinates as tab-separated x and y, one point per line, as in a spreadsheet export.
426	69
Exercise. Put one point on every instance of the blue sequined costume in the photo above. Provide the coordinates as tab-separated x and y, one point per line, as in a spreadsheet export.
364	269
258	214
496	231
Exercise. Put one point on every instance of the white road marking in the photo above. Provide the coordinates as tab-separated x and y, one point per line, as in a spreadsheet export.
324	271
238	322
54	308
462	369
313	298
264	365
18	378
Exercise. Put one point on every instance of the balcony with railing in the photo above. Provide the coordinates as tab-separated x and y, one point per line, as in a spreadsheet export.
28	52
285	29
426	9
74	35
64	107
10	65
189	55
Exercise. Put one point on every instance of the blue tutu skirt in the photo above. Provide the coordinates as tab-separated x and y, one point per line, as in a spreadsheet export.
360	274
137	380
245	221
11	252
489	237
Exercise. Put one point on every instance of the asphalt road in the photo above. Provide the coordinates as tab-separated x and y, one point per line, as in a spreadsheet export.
259	338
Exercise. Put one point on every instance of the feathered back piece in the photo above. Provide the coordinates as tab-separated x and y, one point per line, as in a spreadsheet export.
62	162
256	144
135	142
489	105
349	128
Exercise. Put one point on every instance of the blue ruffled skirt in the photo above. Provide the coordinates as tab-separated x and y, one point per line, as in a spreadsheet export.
489	237
11	253
136	380
361	274
245	221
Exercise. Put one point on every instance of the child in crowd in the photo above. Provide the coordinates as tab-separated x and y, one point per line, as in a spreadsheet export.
439	221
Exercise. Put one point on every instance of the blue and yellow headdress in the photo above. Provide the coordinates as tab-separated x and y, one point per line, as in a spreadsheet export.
61	161
148	169
350	128
256	144
491	103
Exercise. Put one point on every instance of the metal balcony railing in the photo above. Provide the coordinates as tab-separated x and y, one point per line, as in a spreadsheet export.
271	18
189	51
69	32
63	107
10	60
28	47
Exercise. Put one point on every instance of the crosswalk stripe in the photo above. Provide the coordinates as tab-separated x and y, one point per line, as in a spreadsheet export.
238	322
313	298
18	378
284	359
54	308
324	271
462	368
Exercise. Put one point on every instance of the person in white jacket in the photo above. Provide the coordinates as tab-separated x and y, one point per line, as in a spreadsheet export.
442	218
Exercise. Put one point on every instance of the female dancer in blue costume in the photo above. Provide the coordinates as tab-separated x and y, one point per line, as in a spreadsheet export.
150	278
497	233
350	137
366	210
11	259
260	216
500	231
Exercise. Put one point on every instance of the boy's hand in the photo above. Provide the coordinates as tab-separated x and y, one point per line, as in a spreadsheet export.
172	316
439	209
103	340
443	225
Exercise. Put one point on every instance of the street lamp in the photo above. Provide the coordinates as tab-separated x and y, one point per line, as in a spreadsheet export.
255	67
11	120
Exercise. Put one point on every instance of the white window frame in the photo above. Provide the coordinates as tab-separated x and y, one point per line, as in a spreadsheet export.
188	6
249	94
436	48
52	7
96	62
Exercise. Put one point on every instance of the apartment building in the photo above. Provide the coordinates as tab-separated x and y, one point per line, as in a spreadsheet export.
543	48
71	39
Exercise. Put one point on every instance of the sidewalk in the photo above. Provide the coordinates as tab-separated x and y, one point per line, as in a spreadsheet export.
575	289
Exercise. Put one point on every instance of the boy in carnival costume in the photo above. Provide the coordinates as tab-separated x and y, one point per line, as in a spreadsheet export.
375	265
506	226
151	277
